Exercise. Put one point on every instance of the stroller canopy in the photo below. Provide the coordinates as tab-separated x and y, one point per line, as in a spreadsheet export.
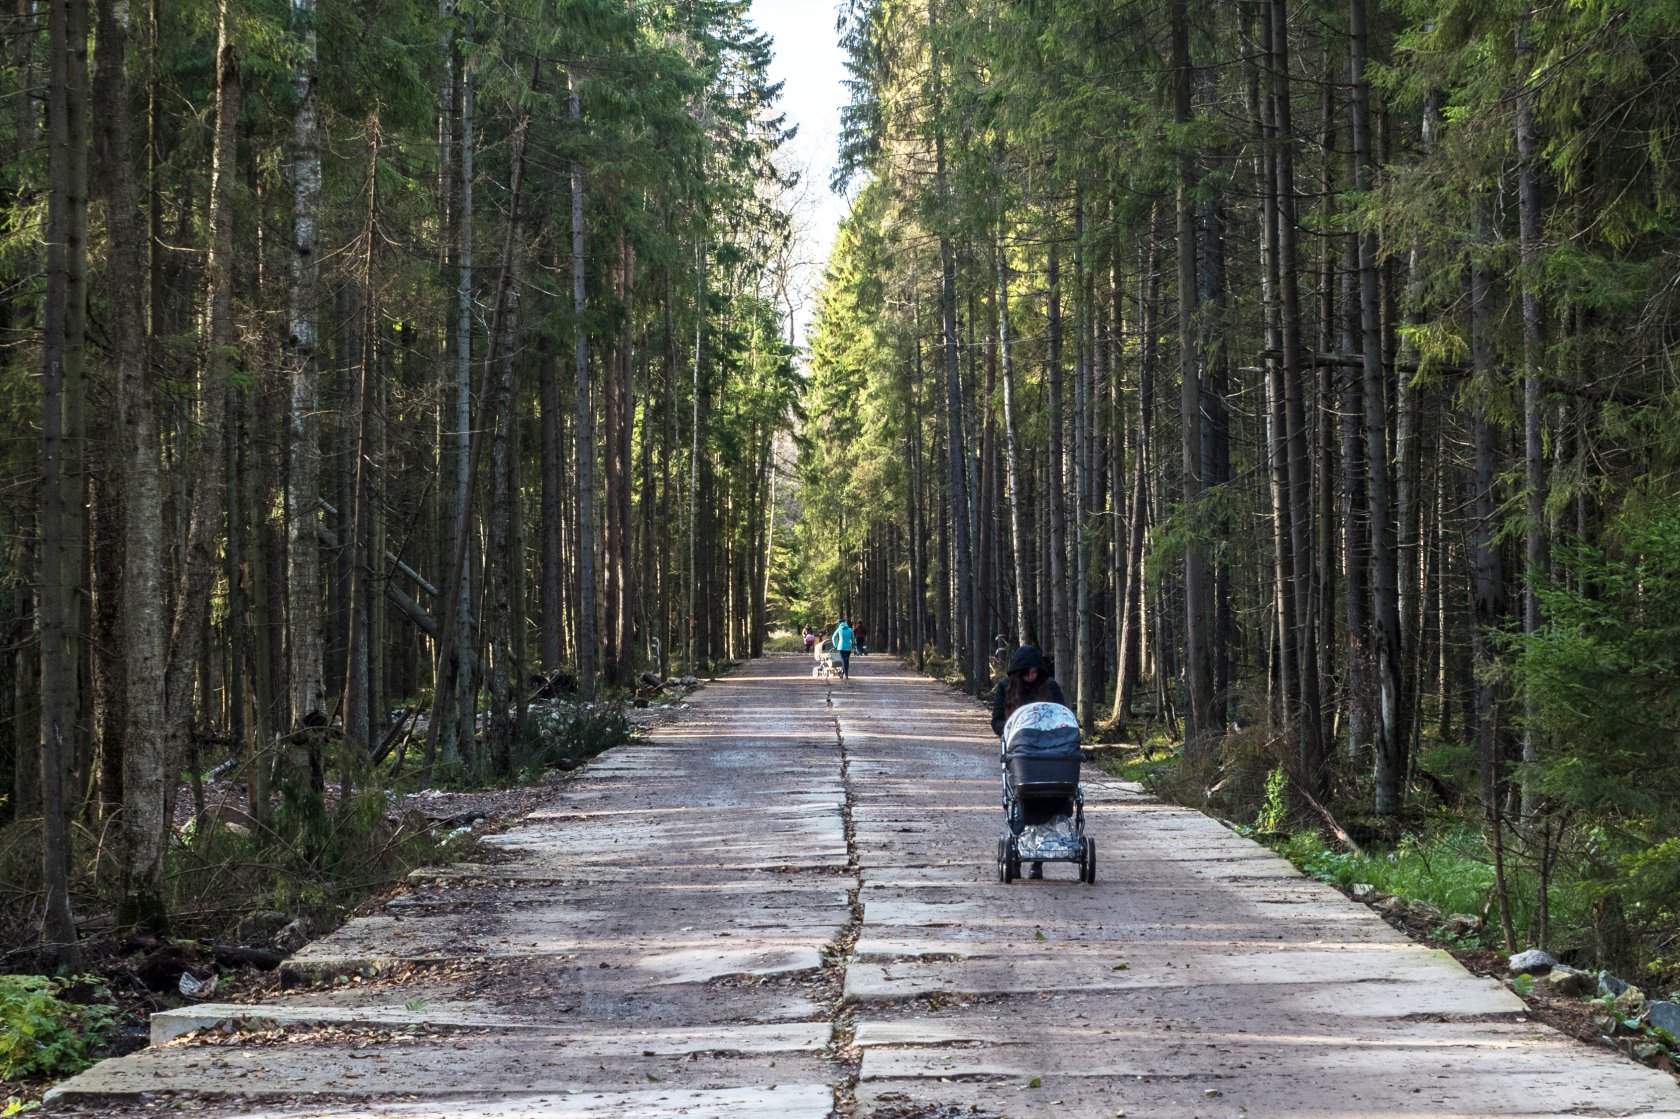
1044	729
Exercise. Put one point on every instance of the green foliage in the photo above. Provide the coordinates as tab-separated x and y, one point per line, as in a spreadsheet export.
1275	811
308	857
1603	678
1447	868
42	1035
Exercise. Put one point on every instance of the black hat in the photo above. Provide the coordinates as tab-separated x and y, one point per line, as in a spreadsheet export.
1029	656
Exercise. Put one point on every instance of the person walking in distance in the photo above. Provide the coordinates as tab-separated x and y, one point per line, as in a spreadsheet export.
844	641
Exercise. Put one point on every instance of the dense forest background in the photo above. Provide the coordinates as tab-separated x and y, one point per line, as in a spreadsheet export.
1301	375
365	366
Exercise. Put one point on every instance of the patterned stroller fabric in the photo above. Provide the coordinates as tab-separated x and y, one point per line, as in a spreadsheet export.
1044	806
1042	730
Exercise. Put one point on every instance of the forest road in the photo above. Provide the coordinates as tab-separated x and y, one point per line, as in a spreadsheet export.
785	906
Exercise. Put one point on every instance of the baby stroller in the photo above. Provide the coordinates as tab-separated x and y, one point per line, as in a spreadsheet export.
828	666
1043	804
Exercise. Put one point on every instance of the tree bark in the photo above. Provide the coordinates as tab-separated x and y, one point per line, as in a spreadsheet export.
1308	729
303	576
1392	739
1200	725
953	411
553	457
1533	341
56	607
1055	491
583	431
1012	445
1131	607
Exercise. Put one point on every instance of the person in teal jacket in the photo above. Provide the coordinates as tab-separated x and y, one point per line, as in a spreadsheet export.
844	641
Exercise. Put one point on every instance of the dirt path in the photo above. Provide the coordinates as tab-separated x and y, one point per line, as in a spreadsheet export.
674	934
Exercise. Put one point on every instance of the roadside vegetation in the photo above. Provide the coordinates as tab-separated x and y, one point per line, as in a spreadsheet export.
247	886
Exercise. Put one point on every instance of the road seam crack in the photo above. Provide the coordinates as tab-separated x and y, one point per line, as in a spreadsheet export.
842	1044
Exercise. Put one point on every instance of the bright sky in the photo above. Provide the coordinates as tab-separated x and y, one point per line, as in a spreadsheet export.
809	63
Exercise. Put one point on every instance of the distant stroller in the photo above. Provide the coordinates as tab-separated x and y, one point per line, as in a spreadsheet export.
1043	803
829	665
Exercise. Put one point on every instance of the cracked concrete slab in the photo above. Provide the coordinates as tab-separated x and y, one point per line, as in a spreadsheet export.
672	934
1200	976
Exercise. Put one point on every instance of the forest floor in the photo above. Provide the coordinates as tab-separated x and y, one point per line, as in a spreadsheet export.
785	904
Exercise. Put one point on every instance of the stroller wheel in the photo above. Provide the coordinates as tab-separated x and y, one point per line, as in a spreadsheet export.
1088	864
1011	860
1003	860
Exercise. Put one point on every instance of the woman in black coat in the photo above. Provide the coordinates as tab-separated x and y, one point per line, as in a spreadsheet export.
1029	681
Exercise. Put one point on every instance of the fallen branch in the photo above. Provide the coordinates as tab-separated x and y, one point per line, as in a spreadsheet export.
1340	832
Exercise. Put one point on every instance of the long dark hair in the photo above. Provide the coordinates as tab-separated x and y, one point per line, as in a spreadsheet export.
1019	692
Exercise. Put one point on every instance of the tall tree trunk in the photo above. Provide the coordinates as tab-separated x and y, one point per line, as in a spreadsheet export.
1534	467
460	564
502	620
458	724
145	767
1309	736
1083	676
583	429
553	457
1487	574
205	516
1200	726
357	707
956	454
55	604
1131	606
1056	496
73	564
303	576
1012	445
1392	738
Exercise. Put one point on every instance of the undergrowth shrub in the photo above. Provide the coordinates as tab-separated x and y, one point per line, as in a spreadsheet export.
43	1035
310	857
569	733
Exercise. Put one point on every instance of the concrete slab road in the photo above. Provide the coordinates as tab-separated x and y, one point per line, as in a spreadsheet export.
786	906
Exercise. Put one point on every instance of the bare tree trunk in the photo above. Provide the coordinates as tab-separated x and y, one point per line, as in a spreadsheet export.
1012	446
357	706
1056	495
1487	577
619	416
1131	607
458	722
303	577
56	610
73	564
1083	676
1534	467
144	764
192	602
553	457
1392	739
583	429
954	440
1201	726
459	565
1309	736
502	620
